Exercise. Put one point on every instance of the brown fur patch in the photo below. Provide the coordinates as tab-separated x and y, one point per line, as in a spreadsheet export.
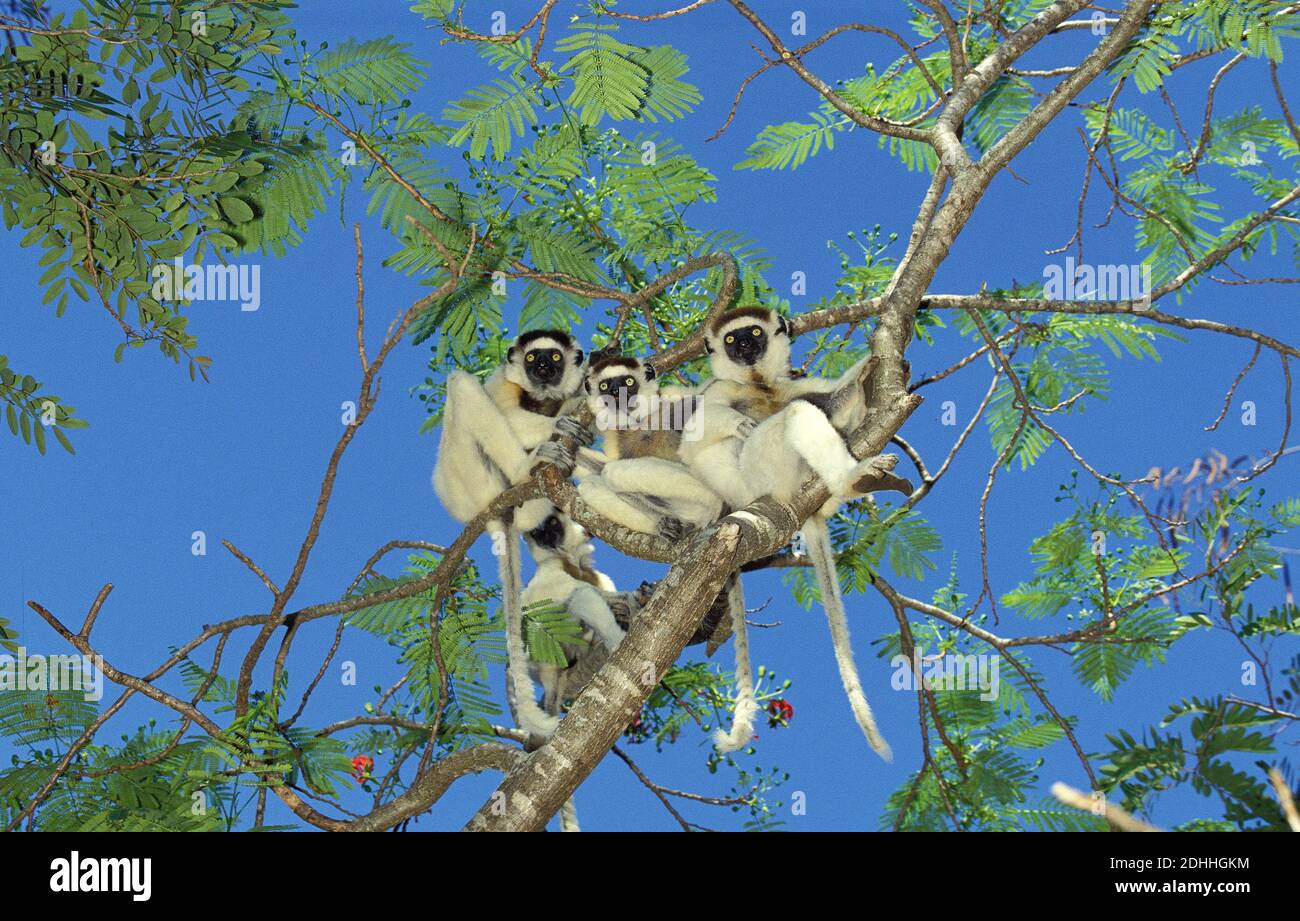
558	335
761	314
582	575
613	361
621	443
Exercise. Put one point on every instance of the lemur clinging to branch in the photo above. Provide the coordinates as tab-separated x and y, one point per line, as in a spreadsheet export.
566	575
492	435
800	432
643	484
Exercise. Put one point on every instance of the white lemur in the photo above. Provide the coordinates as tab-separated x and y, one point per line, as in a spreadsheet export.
566	575
643	484
492	435
801	428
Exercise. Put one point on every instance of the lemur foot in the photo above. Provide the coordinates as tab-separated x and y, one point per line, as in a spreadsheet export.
624	606
552	452
570	427
875	474
745	427
673	529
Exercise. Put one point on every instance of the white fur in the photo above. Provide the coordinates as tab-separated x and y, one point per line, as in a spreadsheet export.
584	602
742	721
818	540
485	447
519	687
784	451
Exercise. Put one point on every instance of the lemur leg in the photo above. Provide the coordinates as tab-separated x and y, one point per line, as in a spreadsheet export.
596	493
470	409
802	430
718	467
588	606
686	497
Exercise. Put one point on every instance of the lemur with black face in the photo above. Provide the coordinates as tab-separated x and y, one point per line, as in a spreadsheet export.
643	484
493	433
566	575
801	431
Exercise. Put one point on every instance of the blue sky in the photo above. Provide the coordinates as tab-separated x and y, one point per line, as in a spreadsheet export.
240	458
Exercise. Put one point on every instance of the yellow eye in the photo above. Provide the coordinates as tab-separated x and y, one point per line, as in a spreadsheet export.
531	356
556	356
731	339
757	331
605	386
630	382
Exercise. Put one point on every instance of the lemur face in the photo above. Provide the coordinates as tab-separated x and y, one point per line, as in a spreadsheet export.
544	366
547	363
550	533
746	344
622	387
749	344
620	384
560	536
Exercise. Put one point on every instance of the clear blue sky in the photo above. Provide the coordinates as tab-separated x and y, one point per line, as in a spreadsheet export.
241	458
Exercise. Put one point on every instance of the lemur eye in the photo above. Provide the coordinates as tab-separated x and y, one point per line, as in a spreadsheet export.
731	339
630	382
757	331
604	385
532	357
556	356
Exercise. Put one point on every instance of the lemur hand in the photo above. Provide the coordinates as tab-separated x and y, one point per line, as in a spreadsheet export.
552	452
673	529
624	606
645	591
570	427
745	426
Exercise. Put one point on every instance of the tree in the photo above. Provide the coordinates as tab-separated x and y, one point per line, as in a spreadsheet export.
578	201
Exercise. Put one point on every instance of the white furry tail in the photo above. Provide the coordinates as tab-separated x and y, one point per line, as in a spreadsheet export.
818	537
742	722
519	686
569	816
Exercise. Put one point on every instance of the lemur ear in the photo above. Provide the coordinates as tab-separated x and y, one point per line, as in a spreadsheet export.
649	370
708	346
510	354
782	326
577	358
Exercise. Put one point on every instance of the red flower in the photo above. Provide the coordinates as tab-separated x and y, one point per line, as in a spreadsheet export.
362	765
779	711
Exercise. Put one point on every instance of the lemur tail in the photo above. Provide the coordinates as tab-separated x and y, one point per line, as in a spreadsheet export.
520	694
823	558
742	722
569	817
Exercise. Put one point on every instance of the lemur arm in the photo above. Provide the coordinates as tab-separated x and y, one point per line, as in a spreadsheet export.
470	409
589	607
842	399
